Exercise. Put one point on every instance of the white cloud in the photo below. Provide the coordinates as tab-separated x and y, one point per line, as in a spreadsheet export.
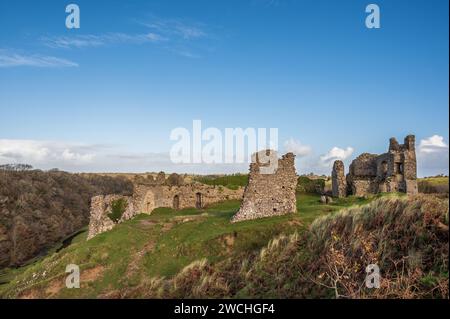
78	157
69	155
336	153
13	59
432	156
433	144
297	147
91	40
43	152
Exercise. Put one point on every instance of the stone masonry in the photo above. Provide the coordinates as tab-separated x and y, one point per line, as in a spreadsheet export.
99	221
338	182
159	193
269	194
394	171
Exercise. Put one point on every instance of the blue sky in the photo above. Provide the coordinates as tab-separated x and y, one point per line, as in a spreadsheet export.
108	94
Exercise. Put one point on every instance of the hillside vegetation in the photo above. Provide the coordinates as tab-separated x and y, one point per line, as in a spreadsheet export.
319	252
233	181
39	209
158	245
434	185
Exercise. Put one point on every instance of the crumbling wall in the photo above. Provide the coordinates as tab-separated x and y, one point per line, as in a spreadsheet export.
100	208
146	197
269	194
338	181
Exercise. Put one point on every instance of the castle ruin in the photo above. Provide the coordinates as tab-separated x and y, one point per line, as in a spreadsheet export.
153	193
269	193
394	171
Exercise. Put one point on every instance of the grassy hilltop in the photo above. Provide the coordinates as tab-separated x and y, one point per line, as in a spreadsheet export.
198	253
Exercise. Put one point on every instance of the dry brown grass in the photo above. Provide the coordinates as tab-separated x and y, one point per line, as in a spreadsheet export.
406	237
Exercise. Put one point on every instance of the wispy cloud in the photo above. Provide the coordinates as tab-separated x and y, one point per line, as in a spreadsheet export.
14	59
176	28
174	35
91	40
183	38
267	3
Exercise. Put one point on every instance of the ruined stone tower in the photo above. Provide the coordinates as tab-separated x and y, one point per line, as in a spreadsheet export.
269	193
394	171
338	182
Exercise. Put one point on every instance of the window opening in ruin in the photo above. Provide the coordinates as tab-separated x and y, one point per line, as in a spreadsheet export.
384	168
399	168
198	200
176	202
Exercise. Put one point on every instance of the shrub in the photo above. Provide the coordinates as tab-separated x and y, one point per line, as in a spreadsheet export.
310	186
118	207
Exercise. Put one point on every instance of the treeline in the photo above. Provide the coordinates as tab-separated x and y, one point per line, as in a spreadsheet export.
39	208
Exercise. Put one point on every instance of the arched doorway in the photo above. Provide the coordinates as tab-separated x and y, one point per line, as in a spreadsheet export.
198	200
176	202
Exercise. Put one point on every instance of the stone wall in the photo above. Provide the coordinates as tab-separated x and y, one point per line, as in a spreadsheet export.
269	194
338	181
147	197
198	195
394	171
100	208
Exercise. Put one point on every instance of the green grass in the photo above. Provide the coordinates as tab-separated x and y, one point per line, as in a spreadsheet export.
233	181
435	180
160	245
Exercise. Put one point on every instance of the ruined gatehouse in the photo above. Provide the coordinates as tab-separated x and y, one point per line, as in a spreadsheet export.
153	193
269	193
394	171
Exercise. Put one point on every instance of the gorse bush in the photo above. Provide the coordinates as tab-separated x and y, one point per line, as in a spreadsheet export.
118	207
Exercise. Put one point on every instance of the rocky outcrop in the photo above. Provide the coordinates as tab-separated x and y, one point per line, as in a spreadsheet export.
269	194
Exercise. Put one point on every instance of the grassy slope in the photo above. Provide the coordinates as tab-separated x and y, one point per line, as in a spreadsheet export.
157	245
